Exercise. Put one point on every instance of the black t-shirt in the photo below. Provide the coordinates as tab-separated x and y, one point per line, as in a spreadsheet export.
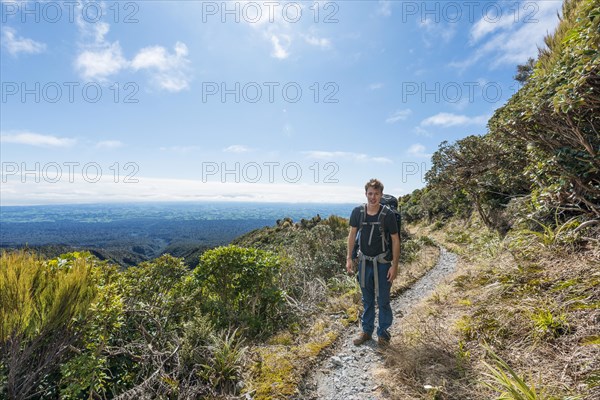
389	225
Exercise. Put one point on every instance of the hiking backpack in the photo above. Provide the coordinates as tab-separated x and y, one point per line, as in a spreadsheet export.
390	204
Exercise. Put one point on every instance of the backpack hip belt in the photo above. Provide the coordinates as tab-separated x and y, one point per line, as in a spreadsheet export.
379	259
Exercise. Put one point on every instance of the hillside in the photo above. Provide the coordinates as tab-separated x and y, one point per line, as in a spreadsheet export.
519	316
520	205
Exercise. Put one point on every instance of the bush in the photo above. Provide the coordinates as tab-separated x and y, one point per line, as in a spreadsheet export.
239	288
39	303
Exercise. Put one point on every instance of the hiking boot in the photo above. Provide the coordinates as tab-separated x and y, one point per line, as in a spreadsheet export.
383	342
362	337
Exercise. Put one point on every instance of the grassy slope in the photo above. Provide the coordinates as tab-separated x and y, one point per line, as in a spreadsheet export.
536	306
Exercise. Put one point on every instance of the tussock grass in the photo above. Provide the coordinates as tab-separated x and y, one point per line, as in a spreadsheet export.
536	308
424	260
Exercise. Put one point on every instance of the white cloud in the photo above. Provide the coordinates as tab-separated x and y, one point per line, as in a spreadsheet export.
447	119
316	41
36	139
486	25
434	31
15	44
422	132
151	57
109	144
281	50
99	58
418	150
101	63
399	115
344	155
375	86
106	190
237	148
383	160
512	37
169	70
157	57
284	27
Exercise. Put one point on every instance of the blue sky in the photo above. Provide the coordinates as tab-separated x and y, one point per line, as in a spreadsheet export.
247	101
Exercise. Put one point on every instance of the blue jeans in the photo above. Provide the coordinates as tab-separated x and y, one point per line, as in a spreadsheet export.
368	298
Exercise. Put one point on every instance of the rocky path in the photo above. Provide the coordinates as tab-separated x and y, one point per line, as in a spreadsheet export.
348	373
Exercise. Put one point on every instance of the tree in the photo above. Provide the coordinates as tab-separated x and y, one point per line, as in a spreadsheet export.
557	114
478	167
524	71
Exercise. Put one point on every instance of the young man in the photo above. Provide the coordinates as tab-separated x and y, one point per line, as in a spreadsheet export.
376	273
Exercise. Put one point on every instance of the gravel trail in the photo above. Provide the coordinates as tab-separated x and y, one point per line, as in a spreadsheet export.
347	374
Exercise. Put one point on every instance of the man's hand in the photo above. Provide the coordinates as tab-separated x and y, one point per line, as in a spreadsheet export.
349	266
392	272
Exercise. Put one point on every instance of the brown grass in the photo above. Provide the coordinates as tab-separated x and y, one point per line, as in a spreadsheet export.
410	273
539	314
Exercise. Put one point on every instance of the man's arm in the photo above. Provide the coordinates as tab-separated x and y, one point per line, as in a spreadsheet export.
351	240
393	271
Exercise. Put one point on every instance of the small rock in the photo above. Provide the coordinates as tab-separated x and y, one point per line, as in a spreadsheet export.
335	360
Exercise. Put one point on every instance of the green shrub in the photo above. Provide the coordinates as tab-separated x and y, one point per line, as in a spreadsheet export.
88	372
317	253
39	305
239	288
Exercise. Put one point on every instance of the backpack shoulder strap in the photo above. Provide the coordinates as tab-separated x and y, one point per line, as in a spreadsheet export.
381	219
363	213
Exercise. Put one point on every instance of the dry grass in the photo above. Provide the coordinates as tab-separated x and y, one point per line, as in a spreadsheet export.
425	259
540	314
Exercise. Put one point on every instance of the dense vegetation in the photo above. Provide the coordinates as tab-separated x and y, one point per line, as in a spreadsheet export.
541	156
75	326
246	319
518	320
521	205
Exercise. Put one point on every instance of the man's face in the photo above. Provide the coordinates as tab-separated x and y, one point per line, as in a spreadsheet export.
373	196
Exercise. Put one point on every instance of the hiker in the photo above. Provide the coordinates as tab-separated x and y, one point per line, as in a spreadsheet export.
377	265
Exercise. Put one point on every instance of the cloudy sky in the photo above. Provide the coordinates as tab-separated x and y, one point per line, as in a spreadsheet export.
243	100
